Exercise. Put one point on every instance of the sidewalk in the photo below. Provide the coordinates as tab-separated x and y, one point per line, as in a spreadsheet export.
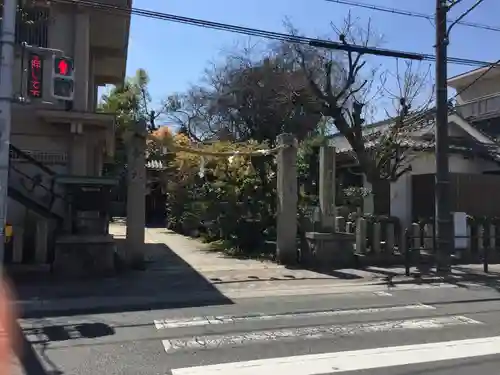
181	272
220	269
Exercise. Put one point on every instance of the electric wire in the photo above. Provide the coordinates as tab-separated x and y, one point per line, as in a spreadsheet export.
121	10
408	13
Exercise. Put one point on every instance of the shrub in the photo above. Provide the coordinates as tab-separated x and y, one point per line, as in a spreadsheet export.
229	199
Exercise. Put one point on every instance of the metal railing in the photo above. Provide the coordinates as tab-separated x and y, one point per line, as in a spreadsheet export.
480	107
32	25
33	179
414	253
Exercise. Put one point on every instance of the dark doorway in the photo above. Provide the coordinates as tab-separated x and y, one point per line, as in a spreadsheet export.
155	206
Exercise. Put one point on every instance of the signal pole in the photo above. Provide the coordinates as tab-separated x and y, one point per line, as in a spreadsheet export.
443	218
6	72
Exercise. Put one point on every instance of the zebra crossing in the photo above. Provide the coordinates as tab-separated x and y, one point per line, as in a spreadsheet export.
321	364
214	333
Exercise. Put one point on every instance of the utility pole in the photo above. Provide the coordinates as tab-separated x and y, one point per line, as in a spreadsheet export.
7	41
443	219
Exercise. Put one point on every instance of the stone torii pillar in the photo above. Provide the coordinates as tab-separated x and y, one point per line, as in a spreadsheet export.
136	191
286	215
327	187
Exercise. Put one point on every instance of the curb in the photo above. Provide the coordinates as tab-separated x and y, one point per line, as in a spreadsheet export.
103	305
443	279
100	305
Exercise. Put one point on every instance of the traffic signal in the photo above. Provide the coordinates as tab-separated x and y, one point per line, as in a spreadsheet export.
63	78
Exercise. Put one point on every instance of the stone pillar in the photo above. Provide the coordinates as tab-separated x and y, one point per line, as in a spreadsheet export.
136	199
42	236
78	151
18	245
98	159
81	57
368	205
92	88
327	187
286	160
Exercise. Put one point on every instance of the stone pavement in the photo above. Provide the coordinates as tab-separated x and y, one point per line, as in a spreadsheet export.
181	272
220	269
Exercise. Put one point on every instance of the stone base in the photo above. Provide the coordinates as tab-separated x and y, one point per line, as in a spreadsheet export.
329	250
84	256
381	259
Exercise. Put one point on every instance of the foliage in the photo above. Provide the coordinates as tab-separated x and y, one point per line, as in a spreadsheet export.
130	103
220	198
254	98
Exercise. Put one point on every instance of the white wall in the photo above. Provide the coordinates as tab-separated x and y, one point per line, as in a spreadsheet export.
479	89
401	190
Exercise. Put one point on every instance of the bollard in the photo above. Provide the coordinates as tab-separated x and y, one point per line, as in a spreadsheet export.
340	224
480	237
390	241
407	252
429	237
349	227
416	238
376	237
361	236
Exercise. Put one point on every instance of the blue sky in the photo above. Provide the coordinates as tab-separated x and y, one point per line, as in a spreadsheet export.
175	55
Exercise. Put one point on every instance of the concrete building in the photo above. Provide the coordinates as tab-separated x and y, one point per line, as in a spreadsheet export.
53	138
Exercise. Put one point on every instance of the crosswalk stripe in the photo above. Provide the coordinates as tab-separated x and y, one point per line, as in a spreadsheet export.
356	360
316	332
210	320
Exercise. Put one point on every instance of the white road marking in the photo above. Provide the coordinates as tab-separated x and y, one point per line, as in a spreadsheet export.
356	360
347	288
317	332
383	294
208	320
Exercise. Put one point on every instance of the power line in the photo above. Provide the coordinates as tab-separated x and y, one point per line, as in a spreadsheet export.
408	13
120	10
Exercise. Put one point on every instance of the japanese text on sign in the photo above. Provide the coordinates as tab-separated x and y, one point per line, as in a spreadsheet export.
35	77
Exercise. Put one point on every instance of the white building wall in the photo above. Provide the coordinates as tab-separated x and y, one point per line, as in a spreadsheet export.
401	190
480	89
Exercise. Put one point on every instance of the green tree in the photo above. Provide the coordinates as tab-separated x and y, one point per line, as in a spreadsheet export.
131	102
255	98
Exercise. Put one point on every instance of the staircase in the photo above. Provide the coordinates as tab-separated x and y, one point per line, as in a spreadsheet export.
33	185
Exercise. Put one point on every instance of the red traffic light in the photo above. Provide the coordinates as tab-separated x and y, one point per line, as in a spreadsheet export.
63	66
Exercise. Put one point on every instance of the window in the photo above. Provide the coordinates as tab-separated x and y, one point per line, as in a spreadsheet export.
32	25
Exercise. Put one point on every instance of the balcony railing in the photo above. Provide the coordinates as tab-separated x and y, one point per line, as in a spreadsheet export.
481	107
32	24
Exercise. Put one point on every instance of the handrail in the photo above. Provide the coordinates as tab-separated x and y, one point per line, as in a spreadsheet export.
49	190
479	99
49	173
32	160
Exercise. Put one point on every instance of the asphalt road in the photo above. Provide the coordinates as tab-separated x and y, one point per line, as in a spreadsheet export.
437	331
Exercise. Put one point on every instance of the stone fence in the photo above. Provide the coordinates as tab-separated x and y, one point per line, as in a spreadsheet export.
481	234
385	235
383	239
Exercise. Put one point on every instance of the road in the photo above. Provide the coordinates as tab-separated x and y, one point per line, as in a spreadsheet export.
430	330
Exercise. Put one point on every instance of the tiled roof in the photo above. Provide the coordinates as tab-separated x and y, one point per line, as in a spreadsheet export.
422	138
